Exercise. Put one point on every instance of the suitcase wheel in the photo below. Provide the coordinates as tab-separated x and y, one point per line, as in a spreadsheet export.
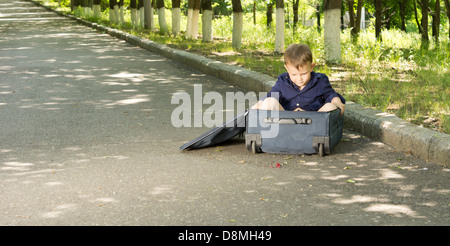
321	150
255	148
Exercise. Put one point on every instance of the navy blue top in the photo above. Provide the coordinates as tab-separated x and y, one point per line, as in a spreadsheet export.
314	95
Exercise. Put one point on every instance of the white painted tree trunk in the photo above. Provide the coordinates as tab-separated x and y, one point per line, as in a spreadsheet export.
86	11
162	20
279	31
148	14
96	9
134	18
116	14
332	36
122	15
195	15
193	24
238	23
176	17
189	23
142	17
207	26
112	16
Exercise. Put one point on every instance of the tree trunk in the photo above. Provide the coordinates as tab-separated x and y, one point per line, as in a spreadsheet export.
436	21
318	16
192	21
279	28
254	12
238	23
161	16
295	11
190	10
96	8
425	23
269	14
195	16
133	12
332	31
74	4
417	18
351	14
148	14
378	18
357	28
112	13
121	14
141	13
86	7
176	17
402	7
207	35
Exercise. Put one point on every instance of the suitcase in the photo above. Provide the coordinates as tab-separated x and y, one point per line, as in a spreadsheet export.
293	132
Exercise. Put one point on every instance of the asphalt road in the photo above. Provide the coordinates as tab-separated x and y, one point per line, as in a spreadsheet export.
86	138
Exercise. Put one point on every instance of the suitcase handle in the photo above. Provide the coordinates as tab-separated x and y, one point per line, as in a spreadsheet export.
287	121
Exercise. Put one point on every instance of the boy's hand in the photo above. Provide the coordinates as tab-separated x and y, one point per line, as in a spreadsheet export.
338	103
256	106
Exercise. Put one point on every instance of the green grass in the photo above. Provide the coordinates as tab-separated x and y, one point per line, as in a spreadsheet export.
395	75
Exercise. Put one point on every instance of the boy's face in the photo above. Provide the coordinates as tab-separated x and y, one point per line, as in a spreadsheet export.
301	75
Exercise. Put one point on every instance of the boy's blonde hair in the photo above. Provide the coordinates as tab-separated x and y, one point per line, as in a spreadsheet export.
298	55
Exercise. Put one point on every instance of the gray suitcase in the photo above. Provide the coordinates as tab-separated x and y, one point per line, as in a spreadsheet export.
293	132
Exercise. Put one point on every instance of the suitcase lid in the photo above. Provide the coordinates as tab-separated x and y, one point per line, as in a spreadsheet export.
220	134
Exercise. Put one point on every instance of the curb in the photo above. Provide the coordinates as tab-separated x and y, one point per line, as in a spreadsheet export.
404	136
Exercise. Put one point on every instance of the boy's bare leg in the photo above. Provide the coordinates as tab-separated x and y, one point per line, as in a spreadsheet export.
270	103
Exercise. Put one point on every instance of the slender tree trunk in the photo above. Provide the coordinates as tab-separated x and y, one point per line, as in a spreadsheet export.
161	16
436	20
355	31
295	11
402	7
425	24
176	17
417	18
378	18
207	35
269	13
318	17
332	31
254	12
238	23
279	29
351	13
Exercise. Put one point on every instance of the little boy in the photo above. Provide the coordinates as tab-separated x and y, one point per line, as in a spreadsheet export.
301	89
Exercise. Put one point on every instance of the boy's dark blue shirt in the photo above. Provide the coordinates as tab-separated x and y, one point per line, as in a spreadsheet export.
314	95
